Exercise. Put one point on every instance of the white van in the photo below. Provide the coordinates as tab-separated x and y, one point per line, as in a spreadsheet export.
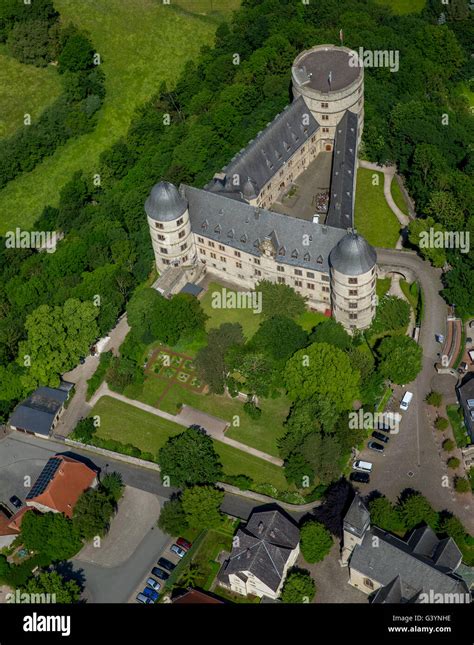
364	466
405	402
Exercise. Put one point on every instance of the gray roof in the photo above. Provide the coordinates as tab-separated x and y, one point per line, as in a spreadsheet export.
353	255
357	518
466	399
256	164
263	548
313	69
165	204
387	557
344	161
244	227
37	413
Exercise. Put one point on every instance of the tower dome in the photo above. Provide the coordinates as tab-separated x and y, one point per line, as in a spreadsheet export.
165	204
353	255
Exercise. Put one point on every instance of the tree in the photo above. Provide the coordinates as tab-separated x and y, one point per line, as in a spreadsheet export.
298	587
92	514
385	515
445	209
434	398
52	534
453	462
84	430
172	518
142	308
57	338
448	445
415	509
190	458
210	360
77	53
52	583
441	423
393	314
279	337
462	485
401	359
323	453
316	541
297	470
278	299
112	485
201	505
331	332
419	236
316	370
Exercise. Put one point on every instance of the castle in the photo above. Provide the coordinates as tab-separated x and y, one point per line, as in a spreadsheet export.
245	226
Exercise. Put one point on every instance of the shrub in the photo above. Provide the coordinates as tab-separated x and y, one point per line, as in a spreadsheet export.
449	445
434	398
316	541
453	462
462	485
252	410
441	423
244	482
298	587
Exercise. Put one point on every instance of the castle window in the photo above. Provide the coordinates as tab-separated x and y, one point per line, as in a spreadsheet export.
183	247
237	254
238	265
281	280
324	105
368	583
213	256
202	251
201	240
204	225
320	259
353	305
256	261
307	258
313	138
352	280
280	268
181	234
162	238
221	247
163	250
165	261
325	289
352	292
352	316
179	222
244	238
217	229
185	258
324	117
309	274
159	225
258	272
211	244
325	278
298	272
326	130
310	286
222	259
298	283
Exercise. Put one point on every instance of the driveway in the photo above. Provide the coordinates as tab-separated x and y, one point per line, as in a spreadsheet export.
137	513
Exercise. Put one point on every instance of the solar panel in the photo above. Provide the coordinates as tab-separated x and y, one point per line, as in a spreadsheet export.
44	478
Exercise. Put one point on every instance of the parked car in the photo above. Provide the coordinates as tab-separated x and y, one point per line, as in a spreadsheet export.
178	550
363	478
144	599
16	501
166	564
373	445
159	573
154	584
150	593
184	544
380	436
405	402
364	466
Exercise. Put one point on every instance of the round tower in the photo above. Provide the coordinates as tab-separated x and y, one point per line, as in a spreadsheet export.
353	277
170	228
331	82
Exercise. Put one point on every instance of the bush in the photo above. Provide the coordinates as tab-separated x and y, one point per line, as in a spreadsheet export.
449	445
441	423
172	518
462	485
252	411
316	541
84	430
453	462
434	398
244	482
298	587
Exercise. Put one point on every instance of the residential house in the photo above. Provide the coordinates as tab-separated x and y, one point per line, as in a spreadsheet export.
41	411
10	525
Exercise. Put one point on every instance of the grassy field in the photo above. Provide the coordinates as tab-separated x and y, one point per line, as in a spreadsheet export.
383	286
398	197
141	43
373	217
217	316
404	6
26	89
148	432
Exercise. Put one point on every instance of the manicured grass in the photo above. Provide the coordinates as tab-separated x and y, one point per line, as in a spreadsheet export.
205	556
398	197
261	433
149	393
383	286
149	433
246	317
128	424
403	6
141	44
373	217
411	297
380	407
26	89
216	9
310	319
457	425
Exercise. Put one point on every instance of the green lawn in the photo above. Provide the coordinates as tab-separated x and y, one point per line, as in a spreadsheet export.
457	425
404	6
310	319
215	9
383	286
141	43
398	197
246	317
149	433
373	217
26	89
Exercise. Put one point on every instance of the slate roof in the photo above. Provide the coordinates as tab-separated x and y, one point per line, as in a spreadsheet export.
353	255
165	204
313	69
263	548
37	413
344	163
357	518
269	151
388	557
244	227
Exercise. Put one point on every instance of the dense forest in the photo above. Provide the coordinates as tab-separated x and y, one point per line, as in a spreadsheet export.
216	107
